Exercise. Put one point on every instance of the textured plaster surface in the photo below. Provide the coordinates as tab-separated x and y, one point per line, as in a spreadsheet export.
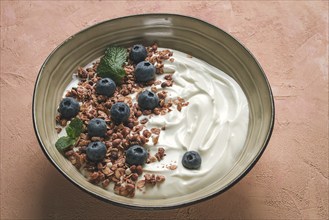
289	39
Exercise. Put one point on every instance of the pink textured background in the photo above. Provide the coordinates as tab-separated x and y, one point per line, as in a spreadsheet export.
290	40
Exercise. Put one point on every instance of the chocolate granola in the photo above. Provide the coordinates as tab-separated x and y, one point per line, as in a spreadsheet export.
113	168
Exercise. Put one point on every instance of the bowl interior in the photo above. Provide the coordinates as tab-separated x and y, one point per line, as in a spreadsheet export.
182	33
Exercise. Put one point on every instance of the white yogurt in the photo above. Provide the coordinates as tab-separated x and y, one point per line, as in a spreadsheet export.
215	124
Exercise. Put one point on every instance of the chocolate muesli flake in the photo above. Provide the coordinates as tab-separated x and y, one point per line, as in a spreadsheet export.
155	139
58	130
113	168
160	154
172	167
155	131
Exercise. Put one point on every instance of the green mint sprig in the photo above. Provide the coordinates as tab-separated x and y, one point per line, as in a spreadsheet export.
111	64
73	131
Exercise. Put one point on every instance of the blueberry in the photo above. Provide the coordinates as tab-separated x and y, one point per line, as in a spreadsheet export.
136	155
191	160
148	100
68	108
96	151
96	127
144	71
138	53
120	112
105	86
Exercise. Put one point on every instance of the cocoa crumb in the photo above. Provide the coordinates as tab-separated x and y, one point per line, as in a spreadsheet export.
156	111
167	83
63	122
125	132
82	73
147	133
140	184
144	121
160	154
160	178
58	130
179	107
143	140
99	166
134	176
155	131
97	139
168	77
114	155
133	169
138	128
147	112
105	183
83	142
162	95
138	113
69	153
94	175
139	170
172	167
155	139
107	171
116	142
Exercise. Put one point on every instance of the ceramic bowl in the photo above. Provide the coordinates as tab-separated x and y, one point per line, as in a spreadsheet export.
186	34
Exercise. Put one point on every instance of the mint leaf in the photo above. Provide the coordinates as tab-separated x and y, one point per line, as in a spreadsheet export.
64	142
74	129
111	64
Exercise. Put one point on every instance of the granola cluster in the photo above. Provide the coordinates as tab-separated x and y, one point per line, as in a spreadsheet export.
120	137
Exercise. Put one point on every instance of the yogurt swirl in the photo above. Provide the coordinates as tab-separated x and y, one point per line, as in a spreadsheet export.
215	124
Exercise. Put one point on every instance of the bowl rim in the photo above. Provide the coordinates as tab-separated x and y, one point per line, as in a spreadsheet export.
231	184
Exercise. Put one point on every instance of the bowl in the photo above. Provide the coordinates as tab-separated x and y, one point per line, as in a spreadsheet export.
182	33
